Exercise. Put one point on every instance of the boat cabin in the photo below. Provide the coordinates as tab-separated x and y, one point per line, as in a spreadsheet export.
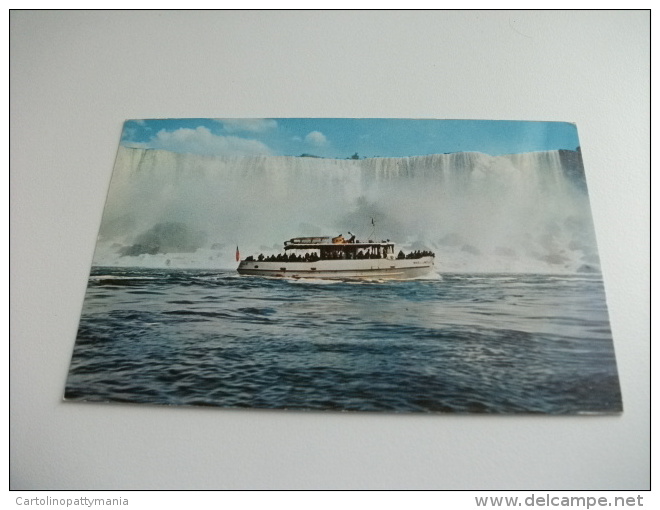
330	248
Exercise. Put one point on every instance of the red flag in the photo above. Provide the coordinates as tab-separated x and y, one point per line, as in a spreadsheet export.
238	254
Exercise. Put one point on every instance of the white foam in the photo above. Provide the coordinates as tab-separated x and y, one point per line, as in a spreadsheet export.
478	213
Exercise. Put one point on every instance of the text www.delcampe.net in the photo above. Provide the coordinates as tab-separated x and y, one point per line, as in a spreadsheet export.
559	501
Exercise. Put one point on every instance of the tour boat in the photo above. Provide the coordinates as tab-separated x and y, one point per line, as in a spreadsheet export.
338	258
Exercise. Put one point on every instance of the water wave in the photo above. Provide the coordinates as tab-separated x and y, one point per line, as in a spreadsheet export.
464	344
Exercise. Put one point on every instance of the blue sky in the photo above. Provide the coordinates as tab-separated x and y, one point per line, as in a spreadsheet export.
341	138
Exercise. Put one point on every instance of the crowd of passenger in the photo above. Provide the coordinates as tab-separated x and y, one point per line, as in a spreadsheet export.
360	254
285	257
336	255
415	254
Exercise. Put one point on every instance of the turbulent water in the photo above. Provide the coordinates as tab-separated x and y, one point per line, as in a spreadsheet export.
479	213
484	343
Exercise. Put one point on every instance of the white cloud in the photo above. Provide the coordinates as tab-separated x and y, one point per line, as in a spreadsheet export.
252	125
202	141
316	138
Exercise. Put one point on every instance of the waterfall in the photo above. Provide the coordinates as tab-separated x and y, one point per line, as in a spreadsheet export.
513	213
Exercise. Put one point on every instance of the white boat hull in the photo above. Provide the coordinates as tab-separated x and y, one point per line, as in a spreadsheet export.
363	269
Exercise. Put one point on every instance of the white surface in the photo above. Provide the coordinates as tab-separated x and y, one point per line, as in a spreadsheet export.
75	76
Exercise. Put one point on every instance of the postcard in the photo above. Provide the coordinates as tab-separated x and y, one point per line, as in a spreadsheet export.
382	265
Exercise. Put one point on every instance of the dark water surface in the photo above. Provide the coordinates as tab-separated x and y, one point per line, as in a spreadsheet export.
464	343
